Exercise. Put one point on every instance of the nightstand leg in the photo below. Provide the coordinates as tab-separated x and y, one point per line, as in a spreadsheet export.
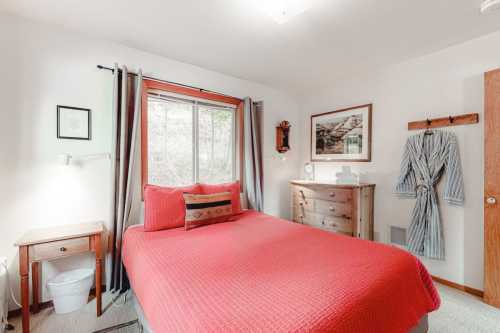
25	286
98	273
35	286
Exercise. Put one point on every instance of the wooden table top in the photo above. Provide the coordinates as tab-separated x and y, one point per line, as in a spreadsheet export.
327	183
51	234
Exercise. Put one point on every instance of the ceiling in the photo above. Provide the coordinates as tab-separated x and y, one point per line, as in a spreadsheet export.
331	40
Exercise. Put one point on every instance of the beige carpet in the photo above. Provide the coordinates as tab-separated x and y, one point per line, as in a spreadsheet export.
459	313
463	313
83	321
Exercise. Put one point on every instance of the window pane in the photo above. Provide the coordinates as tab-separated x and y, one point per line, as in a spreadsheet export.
170	142
216	144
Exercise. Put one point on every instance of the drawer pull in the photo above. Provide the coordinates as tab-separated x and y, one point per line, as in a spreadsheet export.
62	249
332	195
302	195
335	225
331	209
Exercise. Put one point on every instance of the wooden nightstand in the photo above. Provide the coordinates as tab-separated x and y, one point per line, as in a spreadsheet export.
53	243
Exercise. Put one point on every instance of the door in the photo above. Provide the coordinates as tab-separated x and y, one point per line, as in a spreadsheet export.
492	189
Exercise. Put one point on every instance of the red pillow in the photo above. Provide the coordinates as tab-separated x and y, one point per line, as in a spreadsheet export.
234	188
164	207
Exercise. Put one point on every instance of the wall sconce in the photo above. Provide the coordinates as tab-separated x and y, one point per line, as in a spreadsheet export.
66	159
282	137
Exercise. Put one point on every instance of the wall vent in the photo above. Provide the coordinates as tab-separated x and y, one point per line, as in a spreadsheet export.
397	236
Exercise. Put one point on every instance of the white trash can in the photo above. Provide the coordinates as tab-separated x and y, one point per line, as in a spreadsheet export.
70	290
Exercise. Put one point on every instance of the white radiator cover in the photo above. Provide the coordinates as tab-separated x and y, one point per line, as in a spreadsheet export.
3	293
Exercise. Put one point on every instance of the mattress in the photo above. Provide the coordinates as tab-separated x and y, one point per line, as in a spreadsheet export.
263	274
421	327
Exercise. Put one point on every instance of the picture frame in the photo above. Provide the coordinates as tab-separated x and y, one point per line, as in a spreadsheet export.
74	123
342	135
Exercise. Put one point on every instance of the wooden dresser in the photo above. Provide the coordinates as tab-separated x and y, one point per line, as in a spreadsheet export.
345	209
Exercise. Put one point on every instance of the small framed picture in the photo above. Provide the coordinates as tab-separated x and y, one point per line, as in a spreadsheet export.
342	135
73	123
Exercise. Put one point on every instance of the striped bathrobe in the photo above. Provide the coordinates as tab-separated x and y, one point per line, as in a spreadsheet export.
425	159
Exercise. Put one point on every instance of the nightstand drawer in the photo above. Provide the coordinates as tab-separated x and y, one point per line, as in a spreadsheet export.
59	249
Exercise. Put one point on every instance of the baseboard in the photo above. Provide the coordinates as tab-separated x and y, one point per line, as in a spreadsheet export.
472	291
48	304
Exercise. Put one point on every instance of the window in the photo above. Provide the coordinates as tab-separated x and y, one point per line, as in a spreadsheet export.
189	139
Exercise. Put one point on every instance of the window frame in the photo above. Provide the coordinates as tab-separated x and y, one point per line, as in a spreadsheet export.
151	85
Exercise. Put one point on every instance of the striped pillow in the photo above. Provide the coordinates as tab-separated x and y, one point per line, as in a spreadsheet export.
203	209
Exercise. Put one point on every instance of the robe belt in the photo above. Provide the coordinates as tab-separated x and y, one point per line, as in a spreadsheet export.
425	187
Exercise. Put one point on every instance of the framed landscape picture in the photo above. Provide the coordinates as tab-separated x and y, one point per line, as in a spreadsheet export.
342	135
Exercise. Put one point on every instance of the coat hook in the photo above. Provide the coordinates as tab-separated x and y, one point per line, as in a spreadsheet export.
428	122
451	120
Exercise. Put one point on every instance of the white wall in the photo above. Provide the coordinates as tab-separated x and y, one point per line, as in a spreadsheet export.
42	66
445	83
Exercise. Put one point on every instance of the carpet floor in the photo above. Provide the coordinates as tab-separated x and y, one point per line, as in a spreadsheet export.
459	313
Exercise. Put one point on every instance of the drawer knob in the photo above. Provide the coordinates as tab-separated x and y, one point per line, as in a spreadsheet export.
62	249
332	209
332	194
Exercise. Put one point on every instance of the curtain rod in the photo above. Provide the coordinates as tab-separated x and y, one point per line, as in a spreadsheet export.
166	81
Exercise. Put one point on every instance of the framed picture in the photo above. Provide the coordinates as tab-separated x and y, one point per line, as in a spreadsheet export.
73	123
342	135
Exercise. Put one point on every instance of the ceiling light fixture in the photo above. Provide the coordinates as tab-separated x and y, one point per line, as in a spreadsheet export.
282	11
489	6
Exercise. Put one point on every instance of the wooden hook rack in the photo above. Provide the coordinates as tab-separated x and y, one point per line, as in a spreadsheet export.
463	119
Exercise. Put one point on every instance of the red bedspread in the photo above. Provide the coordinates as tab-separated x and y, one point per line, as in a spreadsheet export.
263	274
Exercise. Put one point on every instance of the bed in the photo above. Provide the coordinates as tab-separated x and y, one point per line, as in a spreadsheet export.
263	274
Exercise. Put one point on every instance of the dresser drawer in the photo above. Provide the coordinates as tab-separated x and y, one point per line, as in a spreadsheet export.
59	249
331	223
306	217
333	208
337	224
306	204
335	195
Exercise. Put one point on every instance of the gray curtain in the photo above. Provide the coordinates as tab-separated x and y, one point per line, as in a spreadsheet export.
252	155
125	121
